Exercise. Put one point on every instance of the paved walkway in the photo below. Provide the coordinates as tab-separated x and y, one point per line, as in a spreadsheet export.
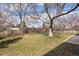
68	48
74	40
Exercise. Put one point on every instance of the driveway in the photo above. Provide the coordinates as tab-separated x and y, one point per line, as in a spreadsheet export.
74	40
67	48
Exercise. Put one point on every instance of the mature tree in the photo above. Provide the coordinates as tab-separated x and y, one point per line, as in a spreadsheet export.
21	10
56	8
4	16
58	12
52	12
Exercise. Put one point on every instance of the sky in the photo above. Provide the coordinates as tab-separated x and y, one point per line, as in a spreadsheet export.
39	8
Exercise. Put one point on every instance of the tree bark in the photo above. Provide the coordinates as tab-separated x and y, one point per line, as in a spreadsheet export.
51	29
21	28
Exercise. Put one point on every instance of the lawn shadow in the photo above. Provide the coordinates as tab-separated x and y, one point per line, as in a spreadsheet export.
65	49
4	44
2	38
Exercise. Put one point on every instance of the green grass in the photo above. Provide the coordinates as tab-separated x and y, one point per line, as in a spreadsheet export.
33	44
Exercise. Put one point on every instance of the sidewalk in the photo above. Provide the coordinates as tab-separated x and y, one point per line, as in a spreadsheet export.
74	40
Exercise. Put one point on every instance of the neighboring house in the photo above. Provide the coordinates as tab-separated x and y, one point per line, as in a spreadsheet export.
14	29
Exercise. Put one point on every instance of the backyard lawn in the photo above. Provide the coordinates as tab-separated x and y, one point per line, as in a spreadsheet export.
31	44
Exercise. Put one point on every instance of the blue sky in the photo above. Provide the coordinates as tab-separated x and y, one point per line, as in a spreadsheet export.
40	8
68	6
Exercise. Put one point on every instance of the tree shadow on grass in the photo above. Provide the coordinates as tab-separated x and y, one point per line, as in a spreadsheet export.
65	49
4	44
2	38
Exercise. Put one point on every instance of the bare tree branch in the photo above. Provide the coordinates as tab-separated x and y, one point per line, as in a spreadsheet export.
66	12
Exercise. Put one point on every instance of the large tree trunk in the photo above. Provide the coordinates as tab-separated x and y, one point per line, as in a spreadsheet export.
51	29
50	32
21	28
